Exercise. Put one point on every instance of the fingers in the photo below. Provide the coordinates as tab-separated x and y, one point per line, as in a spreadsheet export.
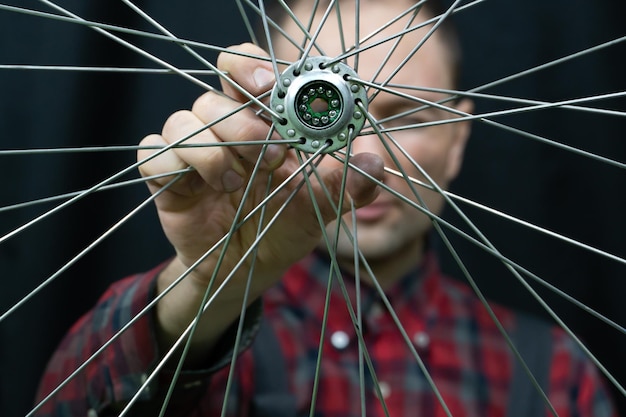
246	70
360	189
217	166
213	122
242	125
254	75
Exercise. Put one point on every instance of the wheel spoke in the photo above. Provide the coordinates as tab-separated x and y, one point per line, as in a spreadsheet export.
72	68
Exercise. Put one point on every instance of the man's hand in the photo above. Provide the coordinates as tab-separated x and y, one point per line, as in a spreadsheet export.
198	210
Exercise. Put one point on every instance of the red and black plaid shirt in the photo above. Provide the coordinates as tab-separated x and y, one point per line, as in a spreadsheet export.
464	352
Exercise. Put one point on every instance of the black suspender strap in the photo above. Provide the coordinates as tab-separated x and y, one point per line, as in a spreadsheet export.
533	340
272	397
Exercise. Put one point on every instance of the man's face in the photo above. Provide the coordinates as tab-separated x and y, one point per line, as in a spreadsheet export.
389	226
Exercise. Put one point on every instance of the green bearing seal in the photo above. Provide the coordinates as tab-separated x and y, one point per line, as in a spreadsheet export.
318	105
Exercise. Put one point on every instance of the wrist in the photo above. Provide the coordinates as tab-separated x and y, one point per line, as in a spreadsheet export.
181	305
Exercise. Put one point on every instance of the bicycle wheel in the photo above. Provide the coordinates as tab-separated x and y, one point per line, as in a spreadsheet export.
495	232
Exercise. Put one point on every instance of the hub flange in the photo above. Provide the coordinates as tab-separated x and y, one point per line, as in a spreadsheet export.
318	104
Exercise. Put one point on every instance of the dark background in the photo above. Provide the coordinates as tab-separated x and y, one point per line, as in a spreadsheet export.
580	198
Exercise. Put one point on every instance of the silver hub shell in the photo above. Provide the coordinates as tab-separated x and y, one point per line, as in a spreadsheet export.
318	106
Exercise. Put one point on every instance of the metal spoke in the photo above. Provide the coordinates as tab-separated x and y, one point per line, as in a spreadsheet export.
246	21
126	148
73	68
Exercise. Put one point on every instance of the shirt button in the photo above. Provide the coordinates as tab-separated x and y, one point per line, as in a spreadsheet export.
340	339
421	340
385	389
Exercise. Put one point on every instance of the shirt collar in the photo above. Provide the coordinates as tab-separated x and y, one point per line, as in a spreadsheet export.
417	290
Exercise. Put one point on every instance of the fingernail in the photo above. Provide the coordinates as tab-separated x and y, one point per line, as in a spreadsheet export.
273	155
231	181
263	77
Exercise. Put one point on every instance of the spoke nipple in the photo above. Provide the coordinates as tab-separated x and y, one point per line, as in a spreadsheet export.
354	88
291	133
308	66
342	137
336	69
315	144
280	108
286	82
357	115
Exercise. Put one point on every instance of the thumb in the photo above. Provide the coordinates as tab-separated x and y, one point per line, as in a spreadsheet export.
361	185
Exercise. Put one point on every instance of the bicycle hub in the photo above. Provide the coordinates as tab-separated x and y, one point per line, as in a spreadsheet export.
317	104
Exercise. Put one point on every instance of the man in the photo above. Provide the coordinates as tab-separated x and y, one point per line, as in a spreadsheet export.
462	350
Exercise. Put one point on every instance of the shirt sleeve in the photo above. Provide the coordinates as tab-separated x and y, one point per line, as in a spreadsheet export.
111	352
